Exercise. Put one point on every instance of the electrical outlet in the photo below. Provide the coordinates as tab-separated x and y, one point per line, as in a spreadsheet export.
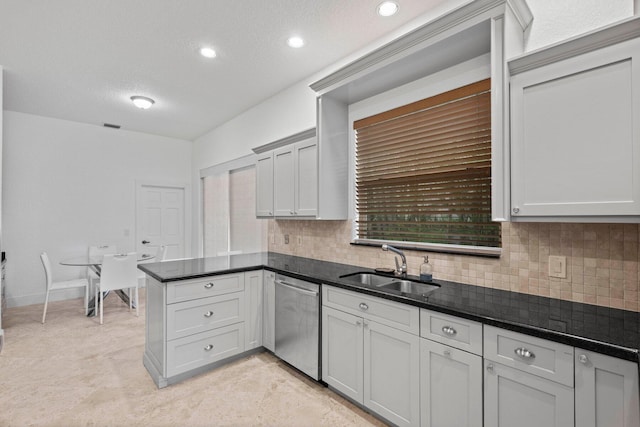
286	239
558	267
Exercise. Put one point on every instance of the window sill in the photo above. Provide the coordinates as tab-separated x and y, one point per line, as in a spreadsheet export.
434	247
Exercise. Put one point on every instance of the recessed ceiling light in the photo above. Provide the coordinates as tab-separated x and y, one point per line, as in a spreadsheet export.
208	52
142	101
387	8
295	42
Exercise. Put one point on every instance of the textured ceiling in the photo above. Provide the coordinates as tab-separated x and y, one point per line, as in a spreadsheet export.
81	60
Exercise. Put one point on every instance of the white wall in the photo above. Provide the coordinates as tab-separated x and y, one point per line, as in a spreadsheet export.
67	185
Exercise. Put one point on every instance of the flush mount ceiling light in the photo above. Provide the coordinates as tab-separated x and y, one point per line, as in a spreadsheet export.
295	42
142	102
208	52
387	8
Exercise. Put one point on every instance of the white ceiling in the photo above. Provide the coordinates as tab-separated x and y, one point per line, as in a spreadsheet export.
81	60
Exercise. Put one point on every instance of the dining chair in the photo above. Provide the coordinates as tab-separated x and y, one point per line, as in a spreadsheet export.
161	254
97	251
118	272
61	285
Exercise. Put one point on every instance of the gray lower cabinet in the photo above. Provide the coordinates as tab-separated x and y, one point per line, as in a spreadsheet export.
269	311
369	361
606	391
192	324
516	398
528	381
450	371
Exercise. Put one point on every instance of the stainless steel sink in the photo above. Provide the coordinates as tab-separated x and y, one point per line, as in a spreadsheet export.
368	279
410	287
392	283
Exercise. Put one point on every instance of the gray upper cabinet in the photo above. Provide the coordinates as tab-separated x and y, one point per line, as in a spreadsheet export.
575	128
302	176
264	185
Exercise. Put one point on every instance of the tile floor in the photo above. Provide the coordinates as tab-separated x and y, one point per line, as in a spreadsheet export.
73	372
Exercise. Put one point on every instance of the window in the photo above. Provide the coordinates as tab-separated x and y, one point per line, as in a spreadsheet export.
230	225
423	172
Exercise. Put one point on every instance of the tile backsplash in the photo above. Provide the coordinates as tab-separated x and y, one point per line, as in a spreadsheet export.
602	260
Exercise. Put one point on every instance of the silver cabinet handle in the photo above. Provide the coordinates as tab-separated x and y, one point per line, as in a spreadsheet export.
363	306
291	212
208	285
524	353
358	322
490	367
516	210
208	313
583	359
449	330
208	348
447	353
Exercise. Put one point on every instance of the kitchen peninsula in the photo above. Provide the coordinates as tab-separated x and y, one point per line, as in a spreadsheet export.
580	331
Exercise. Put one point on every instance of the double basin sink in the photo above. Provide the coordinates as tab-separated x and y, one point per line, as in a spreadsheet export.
405	286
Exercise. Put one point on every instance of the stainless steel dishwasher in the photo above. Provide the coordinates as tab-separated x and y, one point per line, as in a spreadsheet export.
298	324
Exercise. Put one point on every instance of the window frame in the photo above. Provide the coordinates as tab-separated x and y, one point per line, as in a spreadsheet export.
449	79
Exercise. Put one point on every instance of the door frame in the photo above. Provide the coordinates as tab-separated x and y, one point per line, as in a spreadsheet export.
187	210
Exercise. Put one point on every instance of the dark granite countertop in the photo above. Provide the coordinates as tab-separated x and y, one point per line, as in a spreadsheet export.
601	329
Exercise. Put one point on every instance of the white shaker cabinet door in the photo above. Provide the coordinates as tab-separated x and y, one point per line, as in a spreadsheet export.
283	182
264	185
342	347
606	391
516	398
306	182
575	136
391	373
450	386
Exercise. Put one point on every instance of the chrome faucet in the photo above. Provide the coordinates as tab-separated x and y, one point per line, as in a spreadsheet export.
401	270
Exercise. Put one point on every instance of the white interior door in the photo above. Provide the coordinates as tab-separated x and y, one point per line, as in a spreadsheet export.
160	219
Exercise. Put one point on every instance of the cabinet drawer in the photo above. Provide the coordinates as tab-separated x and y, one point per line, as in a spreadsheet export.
194	351
536	356
450	330
185	290
192	317
391	313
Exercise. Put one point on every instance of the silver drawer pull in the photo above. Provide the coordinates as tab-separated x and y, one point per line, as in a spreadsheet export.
490	367
524	353
363	306
449	330
208	285
447	353
208	313
208	347
583	359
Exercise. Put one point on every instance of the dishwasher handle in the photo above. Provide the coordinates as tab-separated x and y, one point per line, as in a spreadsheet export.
296	288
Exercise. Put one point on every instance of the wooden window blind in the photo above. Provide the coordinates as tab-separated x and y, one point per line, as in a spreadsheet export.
423	171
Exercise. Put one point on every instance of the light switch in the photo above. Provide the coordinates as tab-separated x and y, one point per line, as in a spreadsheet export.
558	267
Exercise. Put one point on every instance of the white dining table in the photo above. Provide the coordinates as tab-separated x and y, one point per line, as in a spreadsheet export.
94	262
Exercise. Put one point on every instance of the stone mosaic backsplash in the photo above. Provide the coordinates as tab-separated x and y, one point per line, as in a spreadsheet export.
601	259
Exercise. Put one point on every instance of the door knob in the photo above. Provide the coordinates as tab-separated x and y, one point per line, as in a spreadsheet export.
144	242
